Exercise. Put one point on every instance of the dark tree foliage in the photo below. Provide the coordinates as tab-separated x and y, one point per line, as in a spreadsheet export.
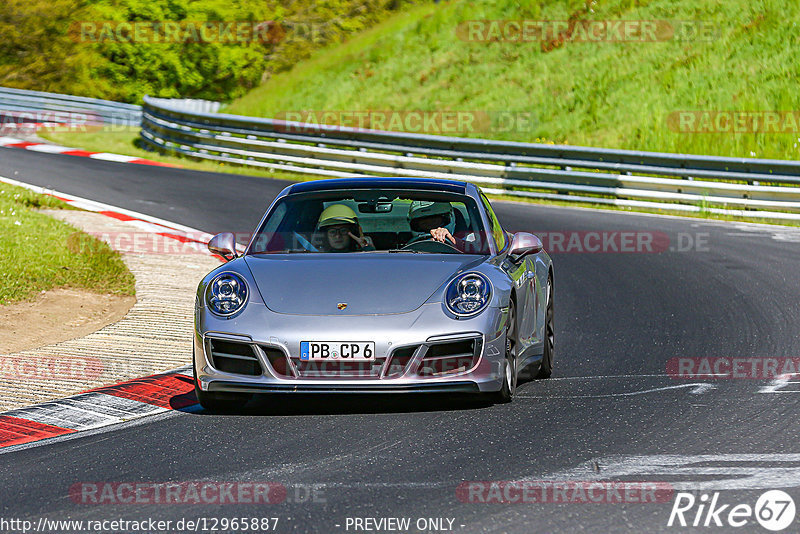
212	49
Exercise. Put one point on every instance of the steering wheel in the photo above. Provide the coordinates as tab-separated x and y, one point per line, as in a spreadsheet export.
429	244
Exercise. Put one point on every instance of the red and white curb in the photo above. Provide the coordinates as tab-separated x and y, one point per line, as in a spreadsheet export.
97	408
13	142
107	405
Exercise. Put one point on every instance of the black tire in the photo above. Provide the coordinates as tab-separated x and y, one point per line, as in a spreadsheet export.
546	368
219	402
509	387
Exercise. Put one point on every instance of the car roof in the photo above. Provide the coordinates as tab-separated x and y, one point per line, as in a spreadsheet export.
425	184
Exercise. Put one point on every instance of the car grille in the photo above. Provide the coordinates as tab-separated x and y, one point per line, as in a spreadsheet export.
233	357
339	369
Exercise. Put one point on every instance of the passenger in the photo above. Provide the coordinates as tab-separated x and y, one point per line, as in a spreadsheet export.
341	232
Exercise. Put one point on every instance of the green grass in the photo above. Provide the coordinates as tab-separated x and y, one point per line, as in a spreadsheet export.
616	95
35	251
117	140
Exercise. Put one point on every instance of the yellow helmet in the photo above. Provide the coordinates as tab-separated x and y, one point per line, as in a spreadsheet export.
337	214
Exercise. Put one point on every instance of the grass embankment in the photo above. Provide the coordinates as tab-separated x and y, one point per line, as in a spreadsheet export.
35	254
605	94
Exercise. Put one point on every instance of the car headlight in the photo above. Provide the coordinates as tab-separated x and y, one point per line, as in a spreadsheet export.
226	294
468	294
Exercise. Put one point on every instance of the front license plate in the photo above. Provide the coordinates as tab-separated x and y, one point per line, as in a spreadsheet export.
351	351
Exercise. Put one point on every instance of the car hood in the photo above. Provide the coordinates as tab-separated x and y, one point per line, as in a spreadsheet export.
370	284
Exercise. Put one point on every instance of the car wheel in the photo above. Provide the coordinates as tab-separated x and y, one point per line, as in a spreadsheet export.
546	368
218	402
509	387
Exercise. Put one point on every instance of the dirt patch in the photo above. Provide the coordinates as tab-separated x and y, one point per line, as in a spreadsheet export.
58	315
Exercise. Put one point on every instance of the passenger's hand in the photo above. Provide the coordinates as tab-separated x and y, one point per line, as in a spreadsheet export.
360	240
442	235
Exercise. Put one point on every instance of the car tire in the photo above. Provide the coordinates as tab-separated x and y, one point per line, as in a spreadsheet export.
509	387
218	402
546	367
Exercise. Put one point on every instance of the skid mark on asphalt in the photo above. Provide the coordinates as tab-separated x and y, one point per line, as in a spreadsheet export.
696	389
327	461
621	386
602	377
694	472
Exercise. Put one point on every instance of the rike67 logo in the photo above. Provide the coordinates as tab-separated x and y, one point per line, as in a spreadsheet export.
774	510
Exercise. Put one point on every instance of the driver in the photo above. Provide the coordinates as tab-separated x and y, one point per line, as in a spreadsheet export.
341	232
434	220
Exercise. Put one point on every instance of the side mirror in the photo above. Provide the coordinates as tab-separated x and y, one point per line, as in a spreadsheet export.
224	245
523	244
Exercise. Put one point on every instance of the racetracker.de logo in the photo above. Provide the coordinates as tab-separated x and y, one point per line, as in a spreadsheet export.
29	121
579	242
726	368
191	492
736	122
140	242
171	31
44	367
441	122
585	31
563	492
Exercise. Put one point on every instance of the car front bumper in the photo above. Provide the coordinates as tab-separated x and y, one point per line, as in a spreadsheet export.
269	334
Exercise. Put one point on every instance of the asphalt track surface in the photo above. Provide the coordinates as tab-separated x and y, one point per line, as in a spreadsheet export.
620	318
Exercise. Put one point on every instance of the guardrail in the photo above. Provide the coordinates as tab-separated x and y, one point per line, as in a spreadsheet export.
18	106
188	104
671	182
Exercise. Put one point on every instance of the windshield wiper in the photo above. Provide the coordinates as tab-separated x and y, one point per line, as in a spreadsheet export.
288	251
401	250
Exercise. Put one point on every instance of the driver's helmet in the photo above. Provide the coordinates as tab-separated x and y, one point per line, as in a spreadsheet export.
424	208
337	214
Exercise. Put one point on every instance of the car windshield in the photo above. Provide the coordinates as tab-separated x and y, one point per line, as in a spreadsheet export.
369	221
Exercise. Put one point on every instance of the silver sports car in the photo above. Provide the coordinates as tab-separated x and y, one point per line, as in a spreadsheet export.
380	285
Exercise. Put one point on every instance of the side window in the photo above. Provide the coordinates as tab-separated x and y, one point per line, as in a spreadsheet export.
496	229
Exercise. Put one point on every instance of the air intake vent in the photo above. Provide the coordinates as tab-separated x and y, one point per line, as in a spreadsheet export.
278	361
233	357
399	362
450	358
